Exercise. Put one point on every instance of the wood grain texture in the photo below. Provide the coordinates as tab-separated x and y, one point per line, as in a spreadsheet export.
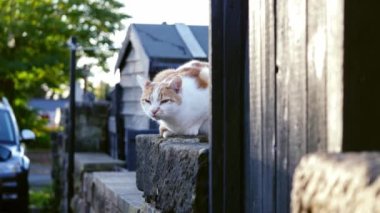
316	75
334	76
295	94
291	95
262	107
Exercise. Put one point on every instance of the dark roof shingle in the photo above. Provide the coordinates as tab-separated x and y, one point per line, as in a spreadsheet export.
164	42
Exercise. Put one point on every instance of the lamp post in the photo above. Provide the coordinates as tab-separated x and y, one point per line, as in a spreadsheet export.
72	43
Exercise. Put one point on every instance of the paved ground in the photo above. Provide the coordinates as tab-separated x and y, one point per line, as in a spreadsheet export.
40	168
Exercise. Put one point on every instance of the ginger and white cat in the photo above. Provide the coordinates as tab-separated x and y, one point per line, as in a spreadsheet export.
179	99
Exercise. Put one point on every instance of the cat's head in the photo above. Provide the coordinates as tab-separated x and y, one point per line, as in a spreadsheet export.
161	100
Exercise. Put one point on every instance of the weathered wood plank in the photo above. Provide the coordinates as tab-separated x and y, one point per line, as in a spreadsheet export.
262	107
256	163
334	77
316	76
282	183
291	95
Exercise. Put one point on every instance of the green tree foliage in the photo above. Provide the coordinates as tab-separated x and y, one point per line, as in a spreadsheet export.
33	35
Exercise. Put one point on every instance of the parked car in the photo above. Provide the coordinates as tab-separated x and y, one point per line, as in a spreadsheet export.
14	165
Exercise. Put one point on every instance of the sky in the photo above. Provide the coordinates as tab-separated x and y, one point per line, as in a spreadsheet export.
190	12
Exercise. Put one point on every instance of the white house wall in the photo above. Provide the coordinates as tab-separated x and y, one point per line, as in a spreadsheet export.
136	122
129	79
137	63
132	94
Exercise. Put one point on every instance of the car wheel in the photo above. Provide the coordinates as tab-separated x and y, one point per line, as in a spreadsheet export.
23	192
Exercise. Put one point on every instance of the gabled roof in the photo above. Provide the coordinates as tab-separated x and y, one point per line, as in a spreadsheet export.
167	41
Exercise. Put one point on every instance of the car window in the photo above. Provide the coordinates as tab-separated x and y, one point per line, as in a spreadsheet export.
6	128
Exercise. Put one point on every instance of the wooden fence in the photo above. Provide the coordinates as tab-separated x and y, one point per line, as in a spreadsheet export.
312	87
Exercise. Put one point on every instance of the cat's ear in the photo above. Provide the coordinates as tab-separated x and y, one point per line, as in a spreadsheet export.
176	84
142	81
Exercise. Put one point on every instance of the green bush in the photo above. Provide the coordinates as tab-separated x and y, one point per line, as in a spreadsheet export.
43	199
42	141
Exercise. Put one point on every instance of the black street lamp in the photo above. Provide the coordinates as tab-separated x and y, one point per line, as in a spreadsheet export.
72	43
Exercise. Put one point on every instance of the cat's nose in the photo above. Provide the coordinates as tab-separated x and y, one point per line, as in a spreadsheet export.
154	111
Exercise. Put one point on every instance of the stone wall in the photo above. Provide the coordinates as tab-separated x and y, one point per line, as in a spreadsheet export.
91	136
173	173
342	182
172	176
98	178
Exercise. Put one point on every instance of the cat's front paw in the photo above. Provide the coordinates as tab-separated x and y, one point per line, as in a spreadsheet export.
164	132
167	134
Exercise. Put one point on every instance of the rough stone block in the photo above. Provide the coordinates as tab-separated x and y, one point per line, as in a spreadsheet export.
78	204
90	162
173	172
148	208
341	182
113	192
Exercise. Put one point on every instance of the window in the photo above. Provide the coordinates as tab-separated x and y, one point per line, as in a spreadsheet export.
6	128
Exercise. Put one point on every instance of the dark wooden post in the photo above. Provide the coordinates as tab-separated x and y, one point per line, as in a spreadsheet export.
228	60
361	115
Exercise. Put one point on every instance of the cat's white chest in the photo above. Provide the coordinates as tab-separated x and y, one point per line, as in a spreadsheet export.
192	112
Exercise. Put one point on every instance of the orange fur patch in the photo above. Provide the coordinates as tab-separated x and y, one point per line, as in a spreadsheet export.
164	74
163	79
147	92
193	71
167	93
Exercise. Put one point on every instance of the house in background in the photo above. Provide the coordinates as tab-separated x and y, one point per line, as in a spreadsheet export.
49	109
146	50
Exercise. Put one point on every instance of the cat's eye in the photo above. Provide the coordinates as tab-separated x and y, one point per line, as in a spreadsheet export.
164	101
146	101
